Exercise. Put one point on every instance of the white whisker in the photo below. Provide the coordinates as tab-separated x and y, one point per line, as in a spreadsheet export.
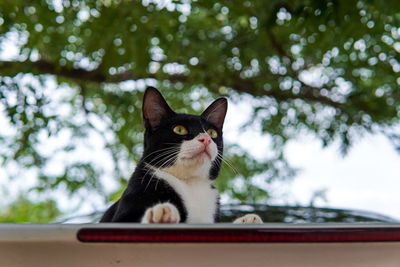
228	163
169	160
165	153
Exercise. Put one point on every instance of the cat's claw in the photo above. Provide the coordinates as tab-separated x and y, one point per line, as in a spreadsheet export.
161	213
249	219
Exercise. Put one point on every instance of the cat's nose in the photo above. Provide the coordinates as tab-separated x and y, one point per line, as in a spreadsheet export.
205	139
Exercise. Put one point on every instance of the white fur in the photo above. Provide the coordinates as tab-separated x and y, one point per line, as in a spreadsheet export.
198	197
194	160
161	213
189	177
248	219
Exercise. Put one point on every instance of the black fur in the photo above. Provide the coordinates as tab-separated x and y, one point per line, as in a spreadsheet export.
145	190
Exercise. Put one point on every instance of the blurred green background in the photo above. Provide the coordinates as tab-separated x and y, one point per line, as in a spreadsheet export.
73	75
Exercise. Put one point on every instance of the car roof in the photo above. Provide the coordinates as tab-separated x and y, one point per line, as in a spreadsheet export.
274	214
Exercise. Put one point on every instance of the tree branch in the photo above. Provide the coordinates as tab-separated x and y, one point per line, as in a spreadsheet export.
276	45
11	68
308	93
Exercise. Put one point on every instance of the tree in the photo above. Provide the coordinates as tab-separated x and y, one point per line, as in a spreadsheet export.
329	68
24	210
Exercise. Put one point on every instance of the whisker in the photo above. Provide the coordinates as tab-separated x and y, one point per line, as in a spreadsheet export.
159	158
170	152
162	149
164	153
228	163
158	180
159	168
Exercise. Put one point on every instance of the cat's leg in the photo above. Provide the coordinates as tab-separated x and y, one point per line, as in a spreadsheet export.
161	213
248	219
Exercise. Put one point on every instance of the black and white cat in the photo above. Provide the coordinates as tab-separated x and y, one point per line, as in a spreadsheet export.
182	156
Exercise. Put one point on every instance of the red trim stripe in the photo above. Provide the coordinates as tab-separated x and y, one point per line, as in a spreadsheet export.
240	235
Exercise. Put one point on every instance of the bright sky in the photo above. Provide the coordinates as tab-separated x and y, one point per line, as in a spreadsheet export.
367	178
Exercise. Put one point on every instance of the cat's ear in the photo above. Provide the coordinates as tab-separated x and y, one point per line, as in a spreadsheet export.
215	113
154	108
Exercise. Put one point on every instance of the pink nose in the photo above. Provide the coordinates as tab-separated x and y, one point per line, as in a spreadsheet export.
205	139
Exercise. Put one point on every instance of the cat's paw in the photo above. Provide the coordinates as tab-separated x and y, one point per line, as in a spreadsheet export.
249	219
162	213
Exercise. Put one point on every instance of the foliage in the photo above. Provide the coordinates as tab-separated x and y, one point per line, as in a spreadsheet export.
24	210
329	68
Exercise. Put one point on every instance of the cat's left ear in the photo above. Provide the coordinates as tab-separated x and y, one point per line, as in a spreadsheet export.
215	113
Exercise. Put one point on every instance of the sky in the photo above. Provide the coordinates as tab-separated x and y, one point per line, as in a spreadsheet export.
367	178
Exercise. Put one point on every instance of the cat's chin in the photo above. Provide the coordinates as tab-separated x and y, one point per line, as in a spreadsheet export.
201	156
193	168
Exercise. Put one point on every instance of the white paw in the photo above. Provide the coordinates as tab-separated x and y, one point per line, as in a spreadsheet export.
162	213
248	219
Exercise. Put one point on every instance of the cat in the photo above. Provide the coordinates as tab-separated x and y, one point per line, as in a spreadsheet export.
182	156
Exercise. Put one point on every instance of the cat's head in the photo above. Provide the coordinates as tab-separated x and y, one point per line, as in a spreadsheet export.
186	146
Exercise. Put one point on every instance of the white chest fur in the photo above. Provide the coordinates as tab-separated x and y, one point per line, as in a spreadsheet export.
198	197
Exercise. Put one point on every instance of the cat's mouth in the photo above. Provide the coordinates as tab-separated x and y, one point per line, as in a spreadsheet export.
198	154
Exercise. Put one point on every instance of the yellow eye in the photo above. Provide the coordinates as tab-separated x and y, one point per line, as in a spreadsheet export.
212	133
179	129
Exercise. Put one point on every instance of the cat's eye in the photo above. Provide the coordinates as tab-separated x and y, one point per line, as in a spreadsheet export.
212	133
179	129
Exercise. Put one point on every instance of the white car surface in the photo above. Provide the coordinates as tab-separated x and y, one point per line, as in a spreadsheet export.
42	245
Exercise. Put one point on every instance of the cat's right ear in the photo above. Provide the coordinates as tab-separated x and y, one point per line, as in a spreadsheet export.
154	108
216	112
